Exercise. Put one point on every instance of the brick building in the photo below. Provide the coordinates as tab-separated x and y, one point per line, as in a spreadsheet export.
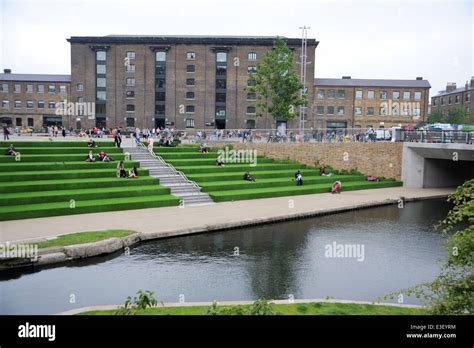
177	81
453	97
29	100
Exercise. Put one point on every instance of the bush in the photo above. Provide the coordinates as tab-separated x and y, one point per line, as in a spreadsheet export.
262	307
143	300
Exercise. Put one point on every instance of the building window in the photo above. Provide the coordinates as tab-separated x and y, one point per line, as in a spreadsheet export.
252	69
130	108
40	104
341	94
221	57
80	99
29	104
101	82
100	55
190	95
30	122
160	96
190	82
51	105
5	104
467	109
456	99
467	97
331	93
251	82
220	97
220	111
80	87
383	94
160	83
130	67
40	88
4	87
29	88
450	100
190	68
396	95
101	95
320	109
417	95
434	102
340	110
62	89
370	94
357	111
358	94
330	110
395	110
442	101
131	55
161	56
51	89
17	88
250	124
17	104
18	121
189	123
406	95
130	81
221	70
190	55
130	94
251	96
370	111
159	109
252	56
320	93
251	110
101	69
221	84
190	109
382	111
130	121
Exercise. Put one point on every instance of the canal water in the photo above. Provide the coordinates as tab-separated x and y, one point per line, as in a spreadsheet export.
383	249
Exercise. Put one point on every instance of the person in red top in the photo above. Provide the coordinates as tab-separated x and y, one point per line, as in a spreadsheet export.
336	187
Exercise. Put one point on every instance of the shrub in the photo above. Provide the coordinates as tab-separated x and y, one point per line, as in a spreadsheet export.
143	300
262	307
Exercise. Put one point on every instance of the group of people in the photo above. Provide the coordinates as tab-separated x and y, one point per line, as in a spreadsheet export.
122	173
102	156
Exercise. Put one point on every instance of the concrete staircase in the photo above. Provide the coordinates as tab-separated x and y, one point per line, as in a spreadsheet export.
180	186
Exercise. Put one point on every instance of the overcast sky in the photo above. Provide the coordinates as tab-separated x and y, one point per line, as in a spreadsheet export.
363	39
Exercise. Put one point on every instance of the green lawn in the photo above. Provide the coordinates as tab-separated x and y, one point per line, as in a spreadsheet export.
286	309
83	237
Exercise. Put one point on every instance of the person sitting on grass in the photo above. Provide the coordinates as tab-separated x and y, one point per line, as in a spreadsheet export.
121	170
91	143
104	157
90	157
204	148
298	178
11	151
248	177
133	173
322	170
336	187
372	178
219	162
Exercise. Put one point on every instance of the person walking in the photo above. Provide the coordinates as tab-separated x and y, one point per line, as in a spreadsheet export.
6	133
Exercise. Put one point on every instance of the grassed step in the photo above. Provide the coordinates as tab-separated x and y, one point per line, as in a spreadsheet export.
20	198
65	150
210	161
55	143
81	207
224	176
28	166
237	168
55	158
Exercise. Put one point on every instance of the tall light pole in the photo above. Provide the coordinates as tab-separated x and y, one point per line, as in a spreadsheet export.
303	63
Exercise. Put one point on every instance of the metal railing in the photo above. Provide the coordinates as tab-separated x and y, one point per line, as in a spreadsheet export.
169	165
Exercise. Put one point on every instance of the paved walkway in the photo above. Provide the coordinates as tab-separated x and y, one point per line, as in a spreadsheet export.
173	221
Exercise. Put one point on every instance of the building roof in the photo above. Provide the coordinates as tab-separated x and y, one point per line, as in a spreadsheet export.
188	40
454	91
35	77
350	82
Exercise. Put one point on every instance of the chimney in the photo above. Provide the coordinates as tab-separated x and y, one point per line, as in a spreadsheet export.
451	86
419	78
7	71
346	77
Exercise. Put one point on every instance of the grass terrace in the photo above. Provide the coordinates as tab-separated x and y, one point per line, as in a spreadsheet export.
273	178
52	178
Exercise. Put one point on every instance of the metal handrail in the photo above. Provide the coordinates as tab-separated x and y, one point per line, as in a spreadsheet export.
169	165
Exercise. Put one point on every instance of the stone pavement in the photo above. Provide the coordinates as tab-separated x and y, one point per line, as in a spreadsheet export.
173	221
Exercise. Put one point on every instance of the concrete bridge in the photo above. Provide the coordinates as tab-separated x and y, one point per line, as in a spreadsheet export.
428	165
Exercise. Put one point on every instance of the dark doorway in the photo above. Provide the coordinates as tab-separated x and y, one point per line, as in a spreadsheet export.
6	120
160	123
220	124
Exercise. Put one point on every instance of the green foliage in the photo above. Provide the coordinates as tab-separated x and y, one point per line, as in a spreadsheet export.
452	291
262	307
454	116
143	300
277	84
436	116
213	310
302	309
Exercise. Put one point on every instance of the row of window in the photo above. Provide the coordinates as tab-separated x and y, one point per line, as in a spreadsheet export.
189	109
30	88
341	94
457	99
358	111
29	104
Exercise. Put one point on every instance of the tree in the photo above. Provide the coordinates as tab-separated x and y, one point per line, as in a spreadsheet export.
436	116
277	84
457	116
451	292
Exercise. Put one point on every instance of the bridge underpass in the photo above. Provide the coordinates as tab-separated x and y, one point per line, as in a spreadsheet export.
437	165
